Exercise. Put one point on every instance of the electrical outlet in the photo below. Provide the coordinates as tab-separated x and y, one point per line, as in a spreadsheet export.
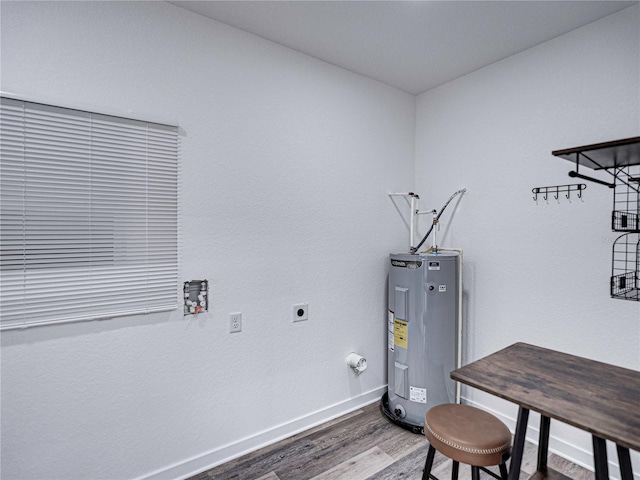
300	312
235	322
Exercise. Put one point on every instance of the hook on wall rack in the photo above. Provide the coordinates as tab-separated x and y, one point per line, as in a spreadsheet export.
556	190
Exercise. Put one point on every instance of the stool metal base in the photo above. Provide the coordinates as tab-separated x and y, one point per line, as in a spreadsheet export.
475	470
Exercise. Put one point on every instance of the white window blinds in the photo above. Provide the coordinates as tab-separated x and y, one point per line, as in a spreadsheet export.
88	215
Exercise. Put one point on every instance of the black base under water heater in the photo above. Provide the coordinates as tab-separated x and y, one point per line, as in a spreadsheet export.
422	342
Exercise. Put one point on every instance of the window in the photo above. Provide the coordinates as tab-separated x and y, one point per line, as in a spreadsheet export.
88	215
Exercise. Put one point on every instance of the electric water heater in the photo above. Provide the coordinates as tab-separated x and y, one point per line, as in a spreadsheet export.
422	342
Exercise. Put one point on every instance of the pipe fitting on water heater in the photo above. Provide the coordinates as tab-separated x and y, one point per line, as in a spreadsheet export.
357	362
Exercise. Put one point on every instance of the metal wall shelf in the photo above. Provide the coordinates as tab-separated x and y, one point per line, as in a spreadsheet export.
616	154
621	160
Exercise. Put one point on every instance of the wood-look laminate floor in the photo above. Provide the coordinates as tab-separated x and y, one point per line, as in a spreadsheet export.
358	446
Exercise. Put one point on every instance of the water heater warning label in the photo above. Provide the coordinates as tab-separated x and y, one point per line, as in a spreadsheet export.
418	395
400	333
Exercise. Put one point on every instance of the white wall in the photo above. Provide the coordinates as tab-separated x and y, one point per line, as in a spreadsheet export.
536	272
286	166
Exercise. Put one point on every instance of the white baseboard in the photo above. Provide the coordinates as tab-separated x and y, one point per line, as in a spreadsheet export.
559	446
220	455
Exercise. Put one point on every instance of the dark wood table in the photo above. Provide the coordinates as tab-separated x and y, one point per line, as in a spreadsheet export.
597	397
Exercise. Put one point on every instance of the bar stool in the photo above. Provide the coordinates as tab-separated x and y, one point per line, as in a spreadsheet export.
466	434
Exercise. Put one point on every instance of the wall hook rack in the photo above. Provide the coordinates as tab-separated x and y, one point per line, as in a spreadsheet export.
556	190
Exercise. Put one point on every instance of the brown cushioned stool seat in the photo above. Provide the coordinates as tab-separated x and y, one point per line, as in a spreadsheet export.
466	434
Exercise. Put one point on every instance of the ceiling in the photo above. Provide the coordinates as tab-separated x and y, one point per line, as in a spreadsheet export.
412	45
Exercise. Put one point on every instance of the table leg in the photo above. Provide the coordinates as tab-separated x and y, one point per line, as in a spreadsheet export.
518	443
543	442
600	458
626	473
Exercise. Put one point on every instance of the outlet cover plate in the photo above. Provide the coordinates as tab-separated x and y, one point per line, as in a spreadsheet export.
300	312
235	322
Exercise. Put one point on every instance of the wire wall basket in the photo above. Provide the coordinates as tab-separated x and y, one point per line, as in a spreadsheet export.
626	200
625	276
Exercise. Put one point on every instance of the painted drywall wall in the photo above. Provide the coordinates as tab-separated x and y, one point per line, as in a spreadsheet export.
536	272
285	168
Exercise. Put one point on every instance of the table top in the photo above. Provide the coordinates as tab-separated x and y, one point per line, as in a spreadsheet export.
597	397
